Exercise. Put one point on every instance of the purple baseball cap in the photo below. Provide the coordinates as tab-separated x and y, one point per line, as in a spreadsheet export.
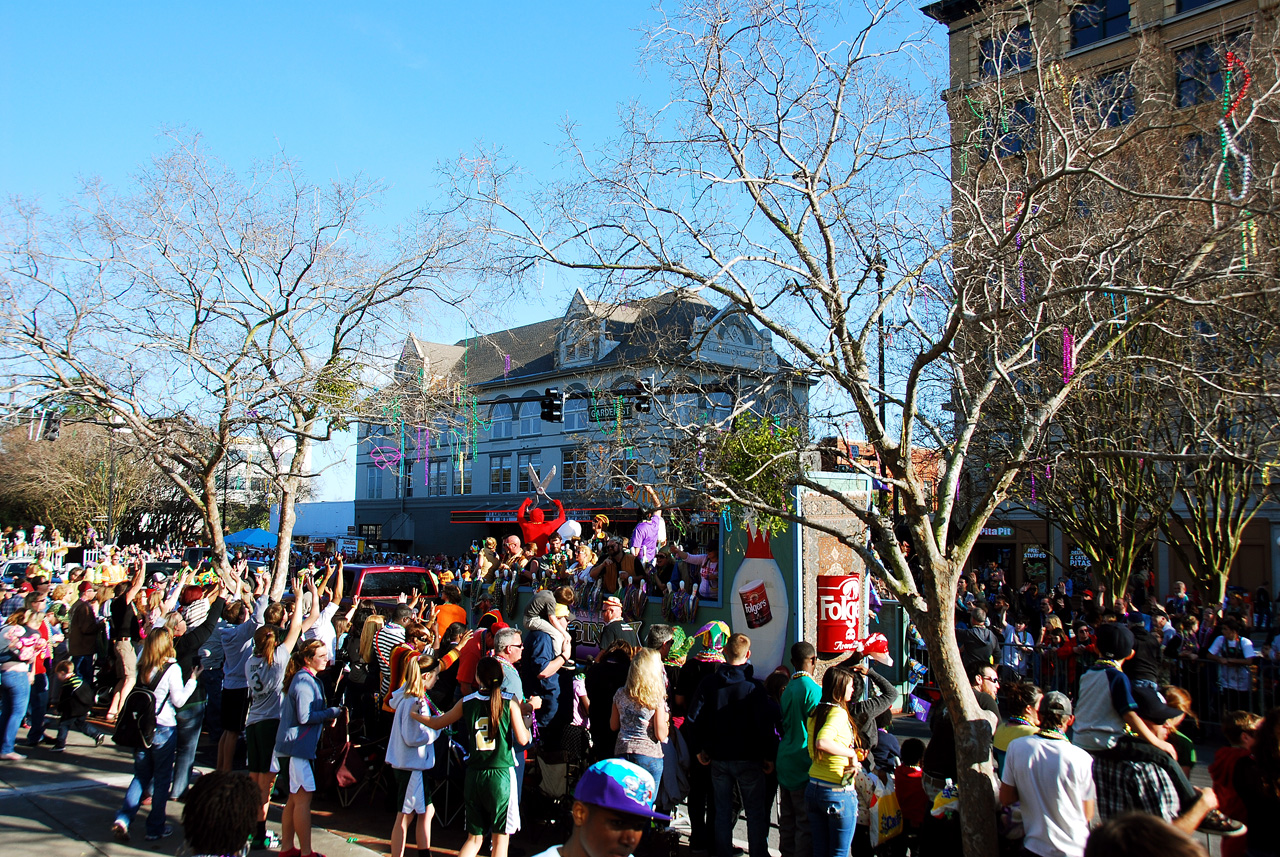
621	786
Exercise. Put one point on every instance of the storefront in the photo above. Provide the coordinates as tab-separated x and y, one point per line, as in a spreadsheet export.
1021	548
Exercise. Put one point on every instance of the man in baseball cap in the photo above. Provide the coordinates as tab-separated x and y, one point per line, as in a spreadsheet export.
614	628
612	807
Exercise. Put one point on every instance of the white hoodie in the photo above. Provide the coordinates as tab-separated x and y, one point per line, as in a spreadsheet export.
411	746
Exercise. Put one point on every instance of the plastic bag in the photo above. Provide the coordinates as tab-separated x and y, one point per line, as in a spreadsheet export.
886	814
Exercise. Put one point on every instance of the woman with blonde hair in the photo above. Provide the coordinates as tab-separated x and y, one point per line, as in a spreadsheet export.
411	751
640	715
153	766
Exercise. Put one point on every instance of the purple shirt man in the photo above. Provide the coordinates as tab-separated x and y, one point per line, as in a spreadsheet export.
644	541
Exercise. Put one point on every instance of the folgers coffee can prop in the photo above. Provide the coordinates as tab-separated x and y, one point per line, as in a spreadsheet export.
755	603
839	609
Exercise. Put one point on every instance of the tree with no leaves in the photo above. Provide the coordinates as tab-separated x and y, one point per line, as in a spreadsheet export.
803	175
202	309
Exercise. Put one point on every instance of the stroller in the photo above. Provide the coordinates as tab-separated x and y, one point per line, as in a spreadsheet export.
559	766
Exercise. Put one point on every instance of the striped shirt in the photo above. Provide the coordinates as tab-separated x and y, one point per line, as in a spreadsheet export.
390	636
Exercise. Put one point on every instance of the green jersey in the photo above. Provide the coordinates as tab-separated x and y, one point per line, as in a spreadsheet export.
487	753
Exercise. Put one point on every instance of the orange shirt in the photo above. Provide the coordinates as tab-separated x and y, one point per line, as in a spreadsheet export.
446	615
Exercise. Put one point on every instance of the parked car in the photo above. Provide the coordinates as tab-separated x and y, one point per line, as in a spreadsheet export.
15	570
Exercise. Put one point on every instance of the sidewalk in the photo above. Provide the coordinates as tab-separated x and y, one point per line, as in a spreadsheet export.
62	805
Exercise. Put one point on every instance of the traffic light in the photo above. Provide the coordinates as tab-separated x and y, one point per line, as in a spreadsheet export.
52	426
644	397
553	406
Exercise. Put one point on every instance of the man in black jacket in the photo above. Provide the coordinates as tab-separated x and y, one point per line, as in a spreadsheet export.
735	731
978	643
187	643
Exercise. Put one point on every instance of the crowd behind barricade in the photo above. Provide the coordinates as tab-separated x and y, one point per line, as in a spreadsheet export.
456	705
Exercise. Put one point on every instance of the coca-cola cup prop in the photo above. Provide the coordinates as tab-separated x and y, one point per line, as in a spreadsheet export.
839	608
755	603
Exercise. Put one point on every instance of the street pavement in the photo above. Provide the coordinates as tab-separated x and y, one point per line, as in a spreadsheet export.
62	805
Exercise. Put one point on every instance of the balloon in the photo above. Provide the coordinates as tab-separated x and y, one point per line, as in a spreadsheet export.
570	530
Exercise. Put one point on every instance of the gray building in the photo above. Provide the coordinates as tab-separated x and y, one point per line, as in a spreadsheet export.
459	470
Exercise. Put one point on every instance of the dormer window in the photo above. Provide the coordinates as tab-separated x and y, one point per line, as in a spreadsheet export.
579	341
580	349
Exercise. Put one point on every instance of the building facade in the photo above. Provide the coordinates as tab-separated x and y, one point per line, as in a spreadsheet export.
635	377
1029	83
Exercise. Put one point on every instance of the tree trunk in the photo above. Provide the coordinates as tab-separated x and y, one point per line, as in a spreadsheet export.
975	773
284	536
213	523
288	486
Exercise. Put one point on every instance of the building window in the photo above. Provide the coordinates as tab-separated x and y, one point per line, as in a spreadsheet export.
721	407
575	413
626	470
574	465
1013	131
1009	54
580	349
530	418
524	484
684	408
500	474
1109	101
371	532
1101	19
1194	162
373	490
1201	70
438	478
462	476
408	482
501	415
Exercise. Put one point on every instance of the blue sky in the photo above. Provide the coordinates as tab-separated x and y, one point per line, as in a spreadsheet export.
387	89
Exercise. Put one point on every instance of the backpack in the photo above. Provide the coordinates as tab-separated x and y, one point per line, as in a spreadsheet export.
136	725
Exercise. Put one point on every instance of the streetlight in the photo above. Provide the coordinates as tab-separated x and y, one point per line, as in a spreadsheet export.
115	424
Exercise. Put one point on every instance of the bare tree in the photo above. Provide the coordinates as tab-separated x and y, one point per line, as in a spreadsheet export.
803	176
1222	429
1092	478
204	309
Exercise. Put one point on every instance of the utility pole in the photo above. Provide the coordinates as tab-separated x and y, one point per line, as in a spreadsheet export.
878	266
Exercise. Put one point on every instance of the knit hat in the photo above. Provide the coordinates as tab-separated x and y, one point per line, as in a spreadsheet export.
1115	641
85	586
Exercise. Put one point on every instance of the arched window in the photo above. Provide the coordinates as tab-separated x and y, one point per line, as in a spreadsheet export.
530	418
720	406
575	410
503	417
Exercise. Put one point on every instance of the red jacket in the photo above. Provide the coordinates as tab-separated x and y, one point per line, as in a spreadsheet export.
908	783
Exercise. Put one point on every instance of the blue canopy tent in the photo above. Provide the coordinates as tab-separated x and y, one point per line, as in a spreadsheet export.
251	538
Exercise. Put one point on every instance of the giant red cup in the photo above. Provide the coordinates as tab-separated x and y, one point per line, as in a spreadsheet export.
838	612
755	603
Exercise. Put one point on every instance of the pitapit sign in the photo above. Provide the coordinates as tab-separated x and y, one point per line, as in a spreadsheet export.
998	532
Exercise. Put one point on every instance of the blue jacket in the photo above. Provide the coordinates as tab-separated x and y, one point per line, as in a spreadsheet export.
302	716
